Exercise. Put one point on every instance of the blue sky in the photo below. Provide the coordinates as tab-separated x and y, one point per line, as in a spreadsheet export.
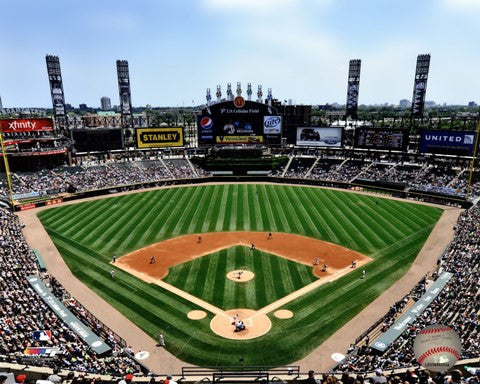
178	48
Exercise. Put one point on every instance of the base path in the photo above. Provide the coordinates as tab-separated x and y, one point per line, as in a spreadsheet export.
298	248
320	358
160	360
178	250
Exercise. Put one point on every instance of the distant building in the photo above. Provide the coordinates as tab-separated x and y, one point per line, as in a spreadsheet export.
82	107
1	106
471	104
106	103
430	104
404	103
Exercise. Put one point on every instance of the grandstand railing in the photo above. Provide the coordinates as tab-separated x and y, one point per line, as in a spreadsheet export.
234	374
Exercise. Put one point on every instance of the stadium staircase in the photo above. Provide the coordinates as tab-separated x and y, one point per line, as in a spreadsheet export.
194	171
456	178
338	167
287	166
363	171
168	170
311	168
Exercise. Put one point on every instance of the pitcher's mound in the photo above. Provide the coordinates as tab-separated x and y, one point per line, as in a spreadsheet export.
196	315
240	275
256	325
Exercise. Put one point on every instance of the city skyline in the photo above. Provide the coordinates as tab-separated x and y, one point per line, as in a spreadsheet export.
178	49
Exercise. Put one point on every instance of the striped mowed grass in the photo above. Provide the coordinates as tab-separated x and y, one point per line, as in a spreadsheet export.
391	232
275	277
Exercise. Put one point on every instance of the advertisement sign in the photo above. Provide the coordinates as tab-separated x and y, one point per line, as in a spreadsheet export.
373	138
319	136
272	125
42	351
240	121
239	139
159	137
26	207
42	335
25	125
447	142
84	332
54	201
394	332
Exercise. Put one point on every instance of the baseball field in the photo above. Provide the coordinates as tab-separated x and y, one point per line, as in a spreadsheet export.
383	235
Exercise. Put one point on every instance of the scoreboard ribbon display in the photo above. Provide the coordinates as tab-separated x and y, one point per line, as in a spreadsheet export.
159	137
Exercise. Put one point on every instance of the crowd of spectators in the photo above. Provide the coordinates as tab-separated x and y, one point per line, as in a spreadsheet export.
22	312
444	179
436	179
409	376
299	167
324	169
441	178
457	306
98	175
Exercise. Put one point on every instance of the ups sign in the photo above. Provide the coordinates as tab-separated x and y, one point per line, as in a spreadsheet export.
159	137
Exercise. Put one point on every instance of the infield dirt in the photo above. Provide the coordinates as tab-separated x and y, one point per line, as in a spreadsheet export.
318	359
328	261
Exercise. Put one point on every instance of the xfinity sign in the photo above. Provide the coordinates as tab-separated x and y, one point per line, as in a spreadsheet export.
447	142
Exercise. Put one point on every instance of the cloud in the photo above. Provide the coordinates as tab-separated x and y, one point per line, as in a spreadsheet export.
462	5
247	5
260	7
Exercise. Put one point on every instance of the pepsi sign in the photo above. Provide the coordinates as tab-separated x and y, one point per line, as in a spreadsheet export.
206	123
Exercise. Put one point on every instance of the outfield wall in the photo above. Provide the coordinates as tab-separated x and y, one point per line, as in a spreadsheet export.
378	188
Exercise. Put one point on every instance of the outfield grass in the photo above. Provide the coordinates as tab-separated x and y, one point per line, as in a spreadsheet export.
391	232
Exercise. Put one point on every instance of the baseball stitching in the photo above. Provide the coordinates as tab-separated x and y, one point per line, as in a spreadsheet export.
434	330
433	351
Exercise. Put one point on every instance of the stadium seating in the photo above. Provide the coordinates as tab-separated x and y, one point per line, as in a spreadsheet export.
22	312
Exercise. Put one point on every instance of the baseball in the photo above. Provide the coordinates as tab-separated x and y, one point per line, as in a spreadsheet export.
437	347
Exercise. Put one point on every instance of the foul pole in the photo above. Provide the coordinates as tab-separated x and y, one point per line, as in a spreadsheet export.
472	163
7	170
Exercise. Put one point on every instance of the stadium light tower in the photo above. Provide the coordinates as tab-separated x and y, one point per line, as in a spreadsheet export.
239	88
353	88
259	94
249	91
208	97
229	92
420	85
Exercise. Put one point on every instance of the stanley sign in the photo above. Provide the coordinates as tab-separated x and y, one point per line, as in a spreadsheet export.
159	137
